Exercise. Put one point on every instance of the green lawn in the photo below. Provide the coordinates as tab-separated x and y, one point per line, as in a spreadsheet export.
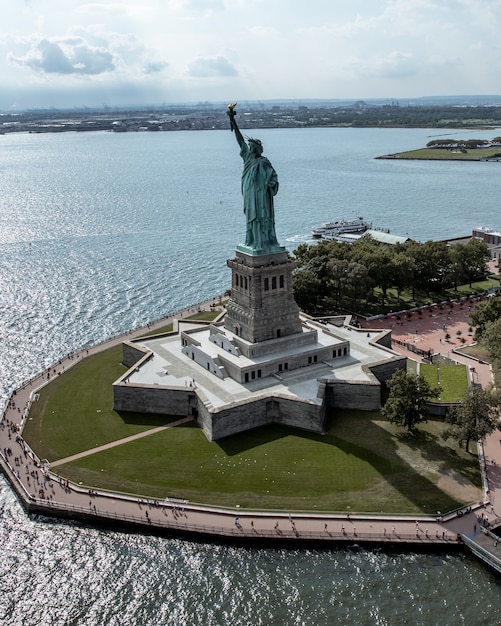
168	328
205	316
74	412
361	464
453	380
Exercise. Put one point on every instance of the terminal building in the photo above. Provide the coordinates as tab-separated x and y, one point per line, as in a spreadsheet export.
491	237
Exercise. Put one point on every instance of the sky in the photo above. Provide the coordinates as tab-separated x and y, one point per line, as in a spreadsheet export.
72	53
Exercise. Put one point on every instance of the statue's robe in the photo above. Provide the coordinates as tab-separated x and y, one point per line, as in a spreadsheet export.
259	186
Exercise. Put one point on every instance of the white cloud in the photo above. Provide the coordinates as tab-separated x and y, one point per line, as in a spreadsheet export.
67	56
199	49
115	10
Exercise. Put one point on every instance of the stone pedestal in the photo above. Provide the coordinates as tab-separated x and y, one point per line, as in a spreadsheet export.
262	305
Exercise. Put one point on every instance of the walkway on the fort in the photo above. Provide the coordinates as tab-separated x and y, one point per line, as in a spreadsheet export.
38	486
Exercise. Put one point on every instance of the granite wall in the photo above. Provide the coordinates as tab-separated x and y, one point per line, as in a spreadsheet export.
241	416
143	399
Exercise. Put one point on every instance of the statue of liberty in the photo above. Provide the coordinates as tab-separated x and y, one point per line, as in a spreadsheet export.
259	186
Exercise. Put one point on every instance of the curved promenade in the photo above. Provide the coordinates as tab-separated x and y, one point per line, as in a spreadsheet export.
42	491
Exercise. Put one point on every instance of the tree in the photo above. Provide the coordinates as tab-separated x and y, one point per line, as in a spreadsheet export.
359	283
403	271
476	417
307	289
431	264
379	268
319	266
468	262
484	313
406	404
339	272
457	267
477	255
491	338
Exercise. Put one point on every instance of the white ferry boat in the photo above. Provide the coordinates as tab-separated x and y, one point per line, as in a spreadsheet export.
333	230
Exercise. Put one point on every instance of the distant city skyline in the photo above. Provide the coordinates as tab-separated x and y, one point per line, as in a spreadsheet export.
72	53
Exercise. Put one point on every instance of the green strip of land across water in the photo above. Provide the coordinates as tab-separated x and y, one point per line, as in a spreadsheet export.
445	154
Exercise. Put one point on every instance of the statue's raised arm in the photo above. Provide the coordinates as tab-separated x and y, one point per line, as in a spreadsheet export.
259	186
233	124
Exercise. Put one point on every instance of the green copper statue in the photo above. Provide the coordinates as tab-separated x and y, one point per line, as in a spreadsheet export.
259	186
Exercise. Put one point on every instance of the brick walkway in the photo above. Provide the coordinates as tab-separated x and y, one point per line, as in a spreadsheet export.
427	332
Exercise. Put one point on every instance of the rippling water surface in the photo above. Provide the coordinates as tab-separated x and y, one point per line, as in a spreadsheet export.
57	574
103	232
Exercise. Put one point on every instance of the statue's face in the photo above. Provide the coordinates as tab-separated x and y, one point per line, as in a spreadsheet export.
255	148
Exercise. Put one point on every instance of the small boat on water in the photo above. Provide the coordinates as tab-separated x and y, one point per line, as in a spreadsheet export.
334	230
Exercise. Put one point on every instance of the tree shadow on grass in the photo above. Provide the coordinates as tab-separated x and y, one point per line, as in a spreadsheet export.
402	476
374	445
432	448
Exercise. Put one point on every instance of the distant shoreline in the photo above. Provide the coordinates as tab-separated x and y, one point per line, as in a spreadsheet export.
444	154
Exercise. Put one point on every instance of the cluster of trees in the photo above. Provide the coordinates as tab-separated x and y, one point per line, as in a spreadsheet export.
462	143
476	417
332	274
335	275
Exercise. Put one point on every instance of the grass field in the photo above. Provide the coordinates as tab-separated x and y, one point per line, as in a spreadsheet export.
205	316
362	464
453	380
74	413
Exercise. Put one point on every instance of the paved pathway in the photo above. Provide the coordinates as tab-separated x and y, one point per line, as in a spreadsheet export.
119	442
427	332
39	486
